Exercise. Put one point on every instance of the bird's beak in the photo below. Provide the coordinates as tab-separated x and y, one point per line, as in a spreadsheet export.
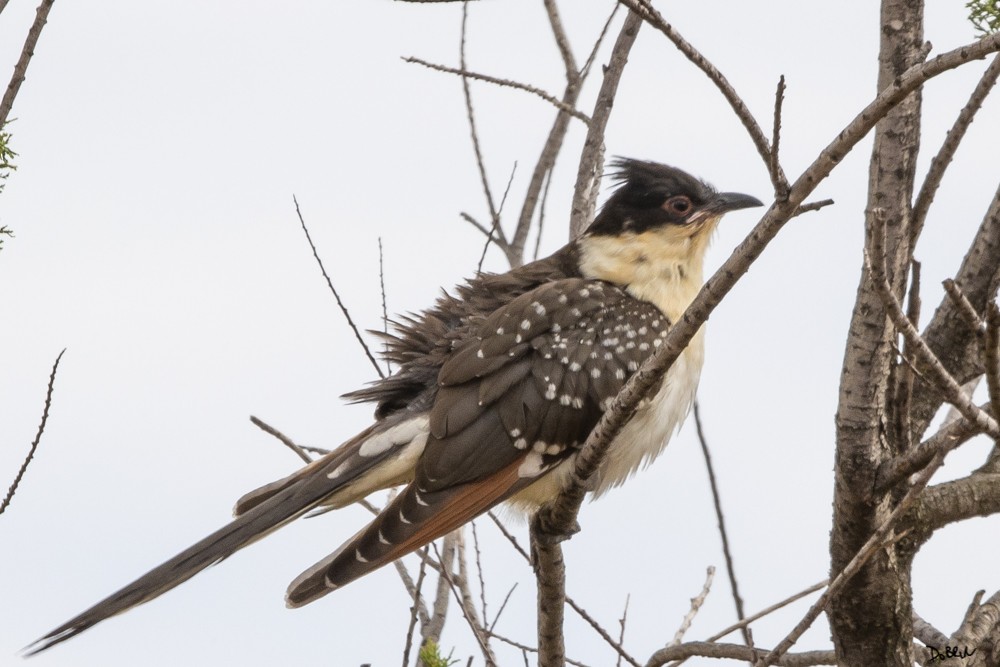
732	201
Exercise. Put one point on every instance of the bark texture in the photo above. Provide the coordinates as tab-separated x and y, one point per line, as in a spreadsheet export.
870	619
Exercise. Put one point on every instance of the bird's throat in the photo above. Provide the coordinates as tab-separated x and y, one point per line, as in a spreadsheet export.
662	266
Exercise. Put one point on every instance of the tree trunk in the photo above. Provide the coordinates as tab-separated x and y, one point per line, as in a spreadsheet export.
871	618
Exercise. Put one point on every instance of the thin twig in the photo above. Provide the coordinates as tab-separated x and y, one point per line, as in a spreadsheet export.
621	623
413	613
950	436
645	9
581	612
506	83
949	387
905	372
499	240
964	306
470	616
589	170
940	162
21	68
496	221
529	649
768	610
470	115
541	213
479	572
385	310
285	440
38	435
585	70
774	168
562	40
717	501
873	544
503	605
696	603
812	206
991	356
343	309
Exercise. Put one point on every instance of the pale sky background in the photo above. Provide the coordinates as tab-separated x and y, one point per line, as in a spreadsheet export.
160	144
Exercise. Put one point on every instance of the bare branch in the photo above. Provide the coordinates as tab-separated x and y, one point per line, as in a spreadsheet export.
645	9
414	612
812	206
983	620
21	68
774	166
950	436
529	649
717	502
470	615
953	341
541	214
588	175
496	220
950	502
905	372
621	623
285	440
489	233
927	633
941	161
581	612
585	70
991	356
479	572
442	596
550	573
696	603
38	435
343	308
385	310
965	307
506	83
476	147
503	605
557	517
562	41
768	610
947	384
874	543
736	652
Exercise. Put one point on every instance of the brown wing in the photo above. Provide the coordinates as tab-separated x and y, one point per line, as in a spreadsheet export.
514	401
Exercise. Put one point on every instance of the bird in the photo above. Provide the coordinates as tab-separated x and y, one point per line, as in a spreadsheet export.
496	387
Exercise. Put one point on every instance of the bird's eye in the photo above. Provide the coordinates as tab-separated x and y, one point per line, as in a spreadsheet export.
679	205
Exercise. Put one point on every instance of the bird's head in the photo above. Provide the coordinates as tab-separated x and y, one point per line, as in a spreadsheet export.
652	233
655	197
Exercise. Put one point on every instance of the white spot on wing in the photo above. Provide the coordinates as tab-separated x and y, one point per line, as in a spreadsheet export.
400	434
361	559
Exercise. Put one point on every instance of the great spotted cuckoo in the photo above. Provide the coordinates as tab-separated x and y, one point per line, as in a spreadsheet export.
496	388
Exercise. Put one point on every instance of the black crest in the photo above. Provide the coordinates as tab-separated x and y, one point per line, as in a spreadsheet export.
642	192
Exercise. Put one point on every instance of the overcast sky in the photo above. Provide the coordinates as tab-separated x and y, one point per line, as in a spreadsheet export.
160	144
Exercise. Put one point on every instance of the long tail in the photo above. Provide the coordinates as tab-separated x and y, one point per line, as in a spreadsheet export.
356	468
222	543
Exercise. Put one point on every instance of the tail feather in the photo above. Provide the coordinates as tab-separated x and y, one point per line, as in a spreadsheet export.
414	519
242	531
375	458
